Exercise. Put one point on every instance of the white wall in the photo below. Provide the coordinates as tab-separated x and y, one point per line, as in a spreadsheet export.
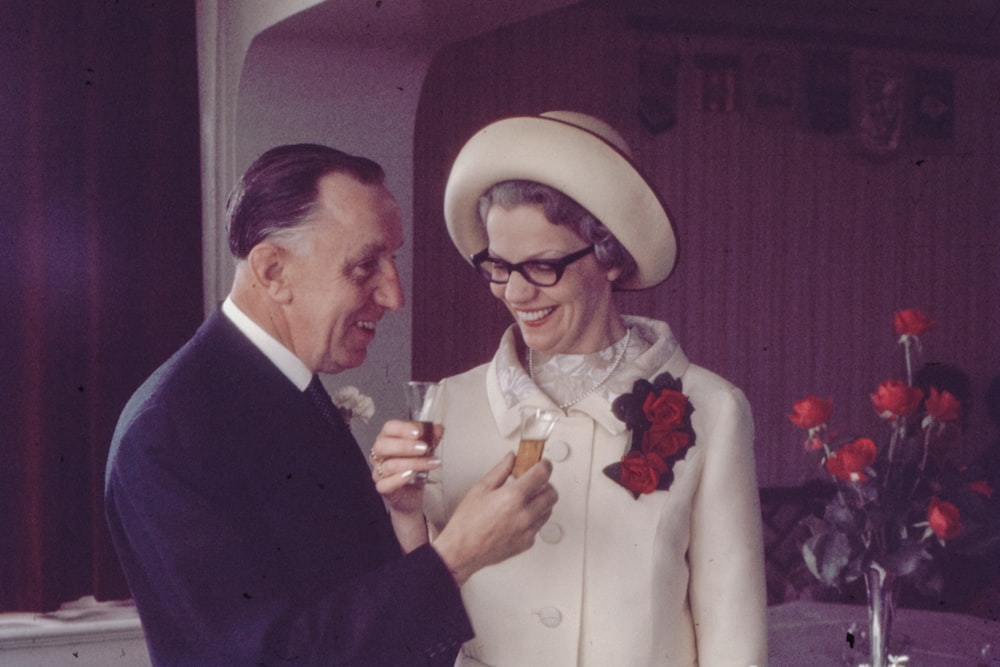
360	100
342	73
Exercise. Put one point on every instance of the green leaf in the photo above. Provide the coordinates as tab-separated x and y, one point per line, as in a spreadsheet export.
907	559
826	555
843	518
816	525
855	568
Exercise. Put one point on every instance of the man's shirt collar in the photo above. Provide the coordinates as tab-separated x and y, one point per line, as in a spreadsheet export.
286	361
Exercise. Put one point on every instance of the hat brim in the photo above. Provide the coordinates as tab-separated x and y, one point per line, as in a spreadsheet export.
578	163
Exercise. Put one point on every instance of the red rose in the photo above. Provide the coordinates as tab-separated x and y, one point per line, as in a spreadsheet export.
911	322
943	518
641	473
849	462
895	398
812	444
664	440
665	408
982	487
811	411
943	406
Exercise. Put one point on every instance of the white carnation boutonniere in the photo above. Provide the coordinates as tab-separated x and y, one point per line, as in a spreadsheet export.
352	403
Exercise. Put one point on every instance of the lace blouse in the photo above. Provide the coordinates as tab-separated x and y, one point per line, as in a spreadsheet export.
565	377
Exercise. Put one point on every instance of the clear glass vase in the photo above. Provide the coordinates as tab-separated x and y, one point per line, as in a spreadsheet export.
882	593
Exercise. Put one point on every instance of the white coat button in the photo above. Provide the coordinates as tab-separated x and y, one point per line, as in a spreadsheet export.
550	617
551	532
557	450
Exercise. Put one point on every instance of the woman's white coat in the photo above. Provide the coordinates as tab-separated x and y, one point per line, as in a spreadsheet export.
674	577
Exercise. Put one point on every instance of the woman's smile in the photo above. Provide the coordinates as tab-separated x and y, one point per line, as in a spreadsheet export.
534	318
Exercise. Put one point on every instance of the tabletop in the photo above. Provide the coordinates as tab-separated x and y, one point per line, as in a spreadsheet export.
816	634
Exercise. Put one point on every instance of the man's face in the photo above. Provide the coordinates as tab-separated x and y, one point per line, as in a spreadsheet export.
344	278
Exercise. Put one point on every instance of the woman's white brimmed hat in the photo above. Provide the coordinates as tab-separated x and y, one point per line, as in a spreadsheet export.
582	157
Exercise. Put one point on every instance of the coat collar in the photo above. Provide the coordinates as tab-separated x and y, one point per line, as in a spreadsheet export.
509	388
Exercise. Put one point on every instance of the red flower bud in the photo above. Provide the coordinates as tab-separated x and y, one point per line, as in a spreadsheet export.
812	444
639	472
943	406
850	461
911	322
895	398
982	487
943	518
811	411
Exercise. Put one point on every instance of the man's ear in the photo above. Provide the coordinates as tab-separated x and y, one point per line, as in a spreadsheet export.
268	264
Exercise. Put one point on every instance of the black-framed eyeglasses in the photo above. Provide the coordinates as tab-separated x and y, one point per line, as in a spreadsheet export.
539	272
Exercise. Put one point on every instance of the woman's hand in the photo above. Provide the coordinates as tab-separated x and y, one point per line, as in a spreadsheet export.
400	463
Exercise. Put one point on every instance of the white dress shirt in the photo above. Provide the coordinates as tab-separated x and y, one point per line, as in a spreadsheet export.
280	356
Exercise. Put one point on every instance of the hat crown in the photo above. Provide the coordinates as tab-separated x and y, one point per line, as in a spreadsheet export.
594	126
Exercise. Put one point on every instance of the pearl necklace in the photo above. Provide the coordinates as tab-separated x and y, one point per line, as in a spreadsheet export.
614	366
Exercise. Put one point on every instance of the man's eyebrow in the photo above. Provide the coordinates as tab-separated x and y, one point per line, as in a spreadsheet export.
366	252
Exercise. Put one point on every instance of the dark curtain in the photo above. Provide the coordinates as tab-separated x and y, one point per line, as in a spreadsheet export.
100	266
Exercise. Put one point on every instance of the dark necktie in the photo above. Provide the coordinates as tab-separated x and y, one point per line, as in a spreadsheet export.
317	392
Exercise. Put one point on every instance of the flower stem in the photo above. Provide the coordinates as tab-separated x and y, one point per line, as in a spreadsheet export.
907	341
927	448
899	427
933	425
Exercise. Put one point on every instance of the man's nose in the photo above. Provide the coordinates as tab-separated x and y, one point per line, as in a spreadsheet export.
389	293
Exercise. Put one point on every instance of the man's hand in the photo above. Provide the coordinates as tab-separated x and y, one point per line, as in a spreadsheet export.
496	520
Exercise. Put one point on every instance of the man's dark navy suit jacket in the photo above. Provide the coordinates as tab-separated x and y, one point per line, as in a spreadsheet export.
250	531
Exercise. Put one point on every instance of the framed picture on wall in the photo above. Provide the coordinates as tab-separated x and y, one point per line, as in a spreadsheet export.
716	83
773	84
658	65
881	108
933	103
828	91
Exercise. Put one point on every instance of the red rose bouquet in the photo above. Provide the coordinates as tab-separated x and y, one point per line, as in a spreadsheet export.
899	503
659	416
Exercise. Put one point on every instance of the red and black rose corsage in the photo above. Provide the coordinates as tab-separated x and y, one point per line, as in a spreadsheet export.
659	416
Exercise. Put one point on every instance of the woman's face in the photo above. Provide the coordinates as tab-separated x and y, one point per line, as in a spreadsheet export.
577	315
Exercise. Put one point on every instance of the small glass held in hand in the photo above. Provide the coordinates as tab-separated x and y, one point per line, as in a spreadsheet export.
536	425
424	404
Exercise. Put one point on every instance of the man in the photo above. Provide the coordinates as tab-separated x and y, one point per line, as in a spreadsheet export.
242	509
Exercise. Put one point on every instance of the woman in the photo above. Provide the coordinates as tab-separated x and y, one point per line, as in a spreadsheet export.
653	558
